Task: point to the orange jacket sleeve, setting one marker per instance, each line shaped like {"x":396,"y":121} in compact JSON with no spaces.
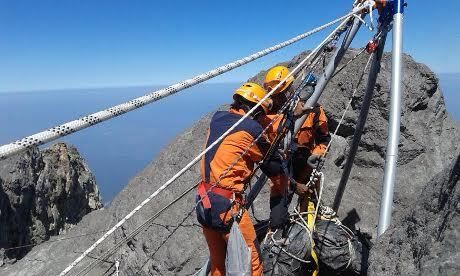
{"x":321,"y":129}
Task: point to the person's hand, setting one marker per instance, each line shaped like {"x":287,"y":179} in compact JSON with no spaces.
{"x":301,"y":189}
{"x":314,"y":160}
{"x":298,"y":111}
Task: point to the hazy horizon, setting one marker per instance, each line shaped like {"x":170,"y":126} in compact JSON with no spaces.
{"x":151,"y":87}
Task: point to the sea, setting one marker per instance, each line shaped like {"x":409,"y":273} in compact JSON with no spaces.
{"x":120,"y":148}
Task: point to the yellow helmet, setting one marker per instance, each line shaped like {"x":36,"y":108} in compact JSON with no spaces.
{"x":254,"y":93}
{"x":275,"y":76}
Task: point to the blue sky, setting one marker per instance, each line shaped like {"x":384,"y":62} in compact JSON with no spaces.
{"x":93,"y":43}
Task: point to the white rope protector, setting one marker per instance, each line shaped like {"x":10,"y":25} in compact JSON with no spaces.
{"x":197,"y":158}
{"x":104,"y":115}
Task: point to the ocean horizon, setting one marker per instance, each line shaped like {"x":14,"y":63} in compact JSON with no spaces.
{"x":118,"y":149}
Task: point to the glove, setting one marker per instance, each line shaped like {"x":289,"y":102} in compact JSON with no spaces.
{"x":273,"y":166}
{"x":314,"y":160}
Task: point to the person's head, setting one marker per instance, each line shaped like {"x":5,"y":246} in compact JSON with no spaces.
{"x":273,"y":78}
{"x":247,"y":96}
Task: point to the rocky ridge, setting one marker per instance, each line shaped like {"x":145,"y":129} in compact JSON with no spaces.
{"x":43,"y":193}
{"x":425,"y":238}
{"x":428,"y":145}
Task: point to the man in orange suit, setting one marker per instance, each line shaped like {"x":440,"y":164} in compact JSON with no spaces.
{"x":225,"y":176}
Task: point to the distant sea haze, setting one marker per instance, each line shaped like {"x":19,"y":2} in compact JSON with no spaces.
{"x":118,"y":149}
{"x":450,"y":85}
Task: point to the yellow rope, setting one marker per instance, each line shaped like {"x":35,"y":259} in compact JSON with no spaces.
{"x":311,"y":217}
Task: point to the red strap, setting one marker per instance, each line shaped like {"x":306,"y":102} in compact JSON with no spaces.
{"x":204,"y":196}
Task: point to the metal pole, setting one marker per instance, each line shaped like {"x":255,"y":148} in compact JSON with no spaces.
{"x":333,"y":63}
{"x":395,"y":119}
{"x":256,"y":188}
{"x":329,"y":71}
{"x":372,"y":79}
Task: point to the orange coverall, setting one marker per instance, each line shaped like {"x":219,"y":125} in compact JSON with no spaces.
{"x":312,"y":138}
{"x":216,"y":216}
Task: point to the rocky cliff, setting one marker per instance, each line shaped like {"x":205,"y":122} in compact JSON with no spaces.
{"x":428,"y":145}
{"x":425,"y":238}
{"x":42,"y":194}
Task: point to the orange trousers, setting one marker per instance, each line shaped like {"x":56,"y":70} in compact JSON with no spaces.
{"x":217,"y":244}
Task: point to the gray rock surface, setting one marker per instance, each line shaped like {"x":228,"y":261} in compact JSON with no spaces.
{"x":42,"y":194}
{"x":425,"y":239}
{"x":429,"y":136}
{"x":429,"y":143}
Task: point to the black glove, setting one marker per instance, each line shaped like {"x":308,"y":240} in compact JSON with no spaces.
{"x":273,"y":166}
{"x":314,"y":160}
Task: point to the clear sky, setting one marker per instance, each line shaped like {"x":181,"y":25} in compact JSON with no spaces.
{"x":51,"y":44}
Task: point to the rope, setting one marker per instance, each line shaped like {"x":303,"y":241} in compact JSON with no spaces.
{"x":135,"y":232}
{"x":166,"y":239}
{"x":104,"y":115}
{"x":275,"y":243}
{"x":197,"y":158}
{"x":350,"y":101}
{"x":53,"y":241}
{"x":319,"y":199}
{"x":349,"y":62}
{"x":316,"y":171}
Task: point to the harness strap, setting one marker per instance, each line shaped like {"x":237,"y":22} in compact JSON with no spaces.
{"x":204,"y":196}
{"x":204,"y":188}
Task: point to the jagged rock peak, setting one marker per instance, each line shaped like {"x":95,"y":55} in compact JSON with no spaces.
{"x":43,"y":193}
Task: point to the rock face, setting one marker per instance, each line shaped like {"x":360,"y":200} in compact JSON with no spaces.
{"x":425,"y":239}
{"x":42,"y":193}
{"x":429,"y":136}
{"x":429,"y":143}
